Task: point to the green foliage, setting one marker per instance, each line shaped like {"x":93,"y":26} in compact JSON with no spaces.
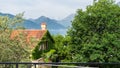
{"x":95,"y":33}
{"x":61,"y":53}
{"x":37,"y":52}
{"x":8,"y":23}
{"x":11,"y":50}
{"x":49,"y":56}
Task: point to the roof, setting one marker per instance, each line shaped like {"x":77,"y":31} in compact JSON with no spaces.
{"x":38,"y":34}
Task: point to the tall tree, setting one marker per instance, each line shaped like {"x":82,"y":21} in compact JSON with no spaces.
{"x":12,"y":50}
{"x":95,"y":33}
{"x":62,"y":49}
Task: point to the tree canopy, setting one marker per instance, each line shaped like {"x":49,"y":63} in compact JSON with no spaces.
{"x":95,"y":33}
{"x":12,"y":50}
{"x":60,"y":51}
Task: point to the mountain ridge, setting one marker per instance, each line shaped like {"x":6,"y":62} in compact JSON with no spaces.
{"x":118,"y":3}
{"x":54,"y":26}
{"x":67,"y":20}
{"x":51,"y":23}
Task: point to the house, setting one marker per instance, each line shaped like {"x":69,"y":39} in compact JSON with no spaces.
{"x":34,"y":37}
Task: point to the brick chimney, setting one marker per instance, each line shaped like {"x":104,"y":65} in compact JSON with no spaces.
{"x":43,"y":26}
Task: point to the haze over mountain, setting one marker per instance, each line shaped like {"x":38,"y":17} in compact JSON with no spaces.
{"x":118,"y":3}
{"x":54,"y":26}
{"x":51,"y":23}
{"x":6,"y":14}
{"x":67,"y":21}
{"x":27,"y":23}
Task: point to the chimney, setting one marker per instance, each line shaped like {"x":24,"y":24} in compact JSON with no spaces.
{"x":43,"y":26}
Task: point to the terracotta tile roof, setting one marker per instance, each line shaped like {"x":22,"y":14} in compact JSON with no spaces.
{"x":38,"y":34}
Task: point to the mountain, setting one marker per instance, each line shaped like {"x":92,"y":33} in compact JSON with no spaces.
{"x":6,"y":14}
{"x":67,"y":21}
{"x":54,"y":26}
{"x":27,"y":23}
{"x":30,"y":25}
{"x":118,"y":3}
{"x":51,"y":23}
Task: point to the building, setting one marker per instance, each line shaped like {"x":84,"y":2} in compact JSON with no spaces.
{"x":34,"y":37}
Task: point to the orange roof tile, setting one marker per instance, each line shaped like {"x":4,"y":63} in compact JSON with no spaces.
{"x":38,"y":34}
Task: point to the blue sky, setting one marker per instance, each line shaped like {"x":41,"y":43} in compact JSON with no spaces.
{"x":57,"y":9}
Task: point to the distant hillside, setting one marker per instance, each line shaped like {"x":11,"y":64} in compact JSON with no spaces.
{"x":27,"y":23}
{"x":67,"y":21}
{"x":30,"y":25}
{"x":54,"y":26}
{"x":118,"y":3}
{"x":6,"y":14}
{"x":51,"y":23}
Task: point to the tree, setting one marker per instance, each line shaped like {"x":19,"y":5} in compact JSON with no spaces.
{"x":12,"y":50}
{"x":60,"y":52}
{"x":95,"y":33}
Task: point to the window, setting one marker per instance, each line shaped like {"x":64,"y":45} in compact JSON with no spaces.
{"x":44,"y":46}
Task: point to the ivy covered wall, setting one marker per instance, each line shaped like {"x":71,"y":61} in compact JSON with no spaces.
{"x":46,"y":40}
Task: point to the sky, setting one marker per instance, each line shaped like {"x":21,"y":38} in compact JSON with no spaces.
{"x":56,"y":9}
